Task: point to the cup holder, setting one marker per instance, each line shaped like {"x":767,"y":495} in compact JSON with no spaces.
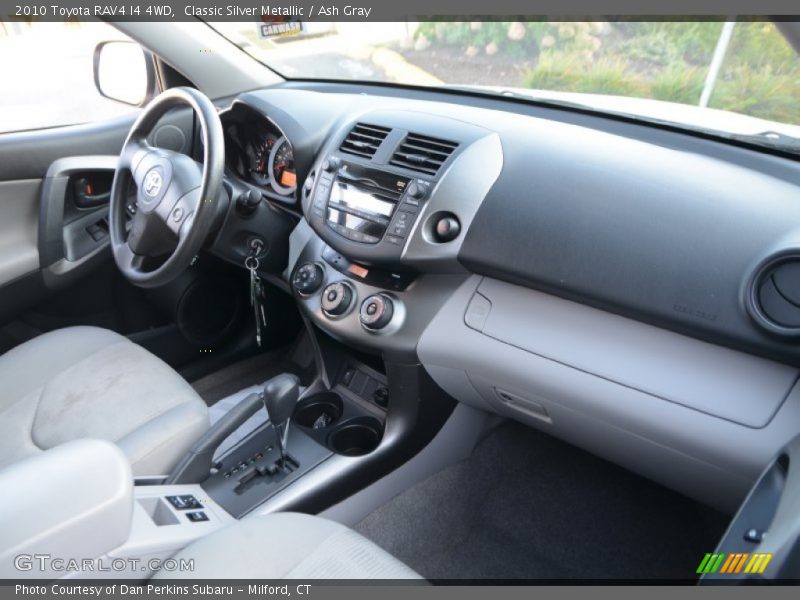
{"x":319,"y":411}
{"x":356,"y":437}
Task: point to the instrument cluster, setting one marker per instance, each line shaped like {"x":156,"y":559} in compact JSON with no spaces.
{"x":260,"y":154}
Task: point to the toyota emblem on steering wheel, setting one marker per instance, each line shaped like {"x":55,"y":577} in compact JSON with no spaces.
{"x":152,"y":183}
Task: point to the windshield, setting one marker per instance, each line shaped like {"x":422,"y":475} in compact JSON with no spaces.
{"x":741,"y":79}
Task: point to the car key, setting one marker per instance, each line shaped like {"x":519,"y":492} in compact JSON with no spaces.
{"x":256,"y":296}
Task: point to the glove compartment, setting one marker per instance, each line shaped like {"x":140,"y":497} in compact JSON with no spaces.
{"x":700,"y":418}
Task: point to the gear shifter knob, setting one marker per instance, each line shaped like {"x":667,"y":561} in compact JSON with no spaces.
{"x":280,"y":396}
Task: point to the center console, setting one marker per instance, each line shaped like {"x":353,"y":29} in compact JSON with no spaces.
{"x":345,"y":420}
{"x":387,"y":204}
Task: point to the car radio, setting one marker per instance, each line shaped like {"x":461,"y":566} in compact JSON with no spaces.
{"x":366,"y":205}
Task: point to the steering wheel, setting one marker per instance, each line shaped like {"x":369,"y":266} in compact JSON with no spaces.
{"x":177,"y":199}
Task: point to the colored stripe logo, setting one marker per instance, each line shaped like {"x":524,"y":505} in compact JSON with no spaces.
{"x":734,"y":562}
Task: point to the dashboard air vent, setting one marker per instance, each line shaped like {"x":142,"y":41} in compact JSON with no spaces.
{"x":775,"y":295}
{"x":422,"y":153}
{"x":363,"y":140}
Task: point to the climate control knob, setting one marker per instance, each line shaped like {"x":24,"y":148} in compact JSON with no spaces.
{"x":336,"y":298}
{"x":376,"y":311}
{"x":308,"y":278}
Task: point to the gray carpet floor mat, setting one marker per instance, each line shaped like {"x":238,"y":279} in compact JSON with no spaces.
{"x":527,"y":506}
{"x":245,"y":373}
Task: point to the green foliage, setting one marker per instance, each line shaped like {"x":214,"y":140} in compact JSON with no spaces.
{"x":677,"y":85}
{"x":663,"y":60}
{"x":766,"y":93}
{"x":563,"y":72}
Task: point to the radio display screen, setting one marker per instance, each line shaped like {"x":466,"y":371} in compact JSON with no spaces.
{"x":352,"y":197}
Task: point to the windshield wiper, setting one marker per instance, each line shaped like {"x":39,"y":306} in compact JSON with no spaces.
{"x":771,"y":139}
{"x":528,"y":97}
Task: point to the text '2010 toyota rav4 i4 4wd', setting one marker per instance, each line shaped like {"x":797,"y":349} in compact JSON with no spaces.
{"x":454,"y":300}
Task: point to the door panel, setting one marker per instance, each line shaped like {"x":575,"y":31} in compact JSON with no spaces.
{"x":19,"y":222}
{"x":25,"y":158}
{"x":53,"y":272}
{"x":28,"y":154}
{"x":73,"y":237}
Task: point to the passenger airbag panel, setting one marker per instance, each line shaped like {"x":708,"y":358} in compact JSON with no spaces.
{"x":712,"y":379}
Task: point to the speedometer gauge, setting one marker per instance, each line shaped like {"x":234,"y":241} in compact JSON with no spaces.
{"x":282,"y":175}
{"x":259,"y":152}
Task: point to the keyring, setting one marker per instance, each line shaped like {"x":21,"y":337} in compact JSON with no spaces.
{"x":251,"y":263}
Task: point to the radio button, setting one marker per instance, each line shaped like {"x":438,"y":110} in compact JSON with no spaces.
{"x":447,"y":229}
{"x":415,"y":190}
{"x":393,"y":239}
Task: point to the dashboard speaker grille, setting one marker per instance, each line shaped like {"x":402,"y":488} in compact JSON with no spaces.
{"x":422,"y":153}
{"x":363,"y":140}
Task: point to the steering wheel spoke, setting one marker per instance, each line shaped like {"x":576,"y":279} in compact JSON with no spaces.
{"x":177,"y":198}
{"x":177,"y":215}
{"x":133,"y":152}
{"x":125,"y":255}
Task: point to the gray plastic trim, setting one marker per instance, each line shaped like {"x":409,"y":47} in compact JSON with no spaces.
{"x":784,"y":531}
{"x":708,"y":457}
{"x":460,"y":192}
{"x":149,"y":540}
{"x":415,"y":306}
{"x":57,"y":269}
{"x":19,"y":218}
{"x":712,"y":379}
{"x":212,"y":63}
{"x":454,"y":442}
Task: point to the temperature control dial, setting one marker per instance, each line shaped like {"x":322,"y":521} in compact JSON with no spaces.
{"x":308,"y":278}
{"x":336,"y":298}
{"x":376,"y":312}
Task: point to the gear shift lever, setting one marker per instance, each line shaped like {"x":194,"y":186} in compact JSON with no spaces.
{"x":280,"y":397}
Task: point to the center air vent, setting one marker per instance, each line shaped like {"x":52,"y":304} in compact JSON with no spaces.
{"x":774,"y":299}
{"x":363,"y":140}
{"x":422,"y":153}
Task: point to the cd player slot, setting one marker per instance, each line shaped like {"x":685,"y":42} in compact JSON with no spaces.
{"x":370,"y":186}
{"x":359,"y":213}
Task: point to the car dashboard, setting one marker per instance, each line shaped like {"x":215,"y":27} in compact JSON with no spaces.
{"x":623,"y":287}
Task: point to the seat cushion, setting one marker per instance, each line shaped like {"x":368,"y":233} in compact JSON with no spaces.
{"x":289,"y":546}
{"x":86,"y":382}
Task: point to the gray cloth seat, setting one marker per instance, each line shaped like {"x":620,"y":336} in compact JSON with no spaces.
{"x":86,"y":382}
{"x":288,"y":546}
